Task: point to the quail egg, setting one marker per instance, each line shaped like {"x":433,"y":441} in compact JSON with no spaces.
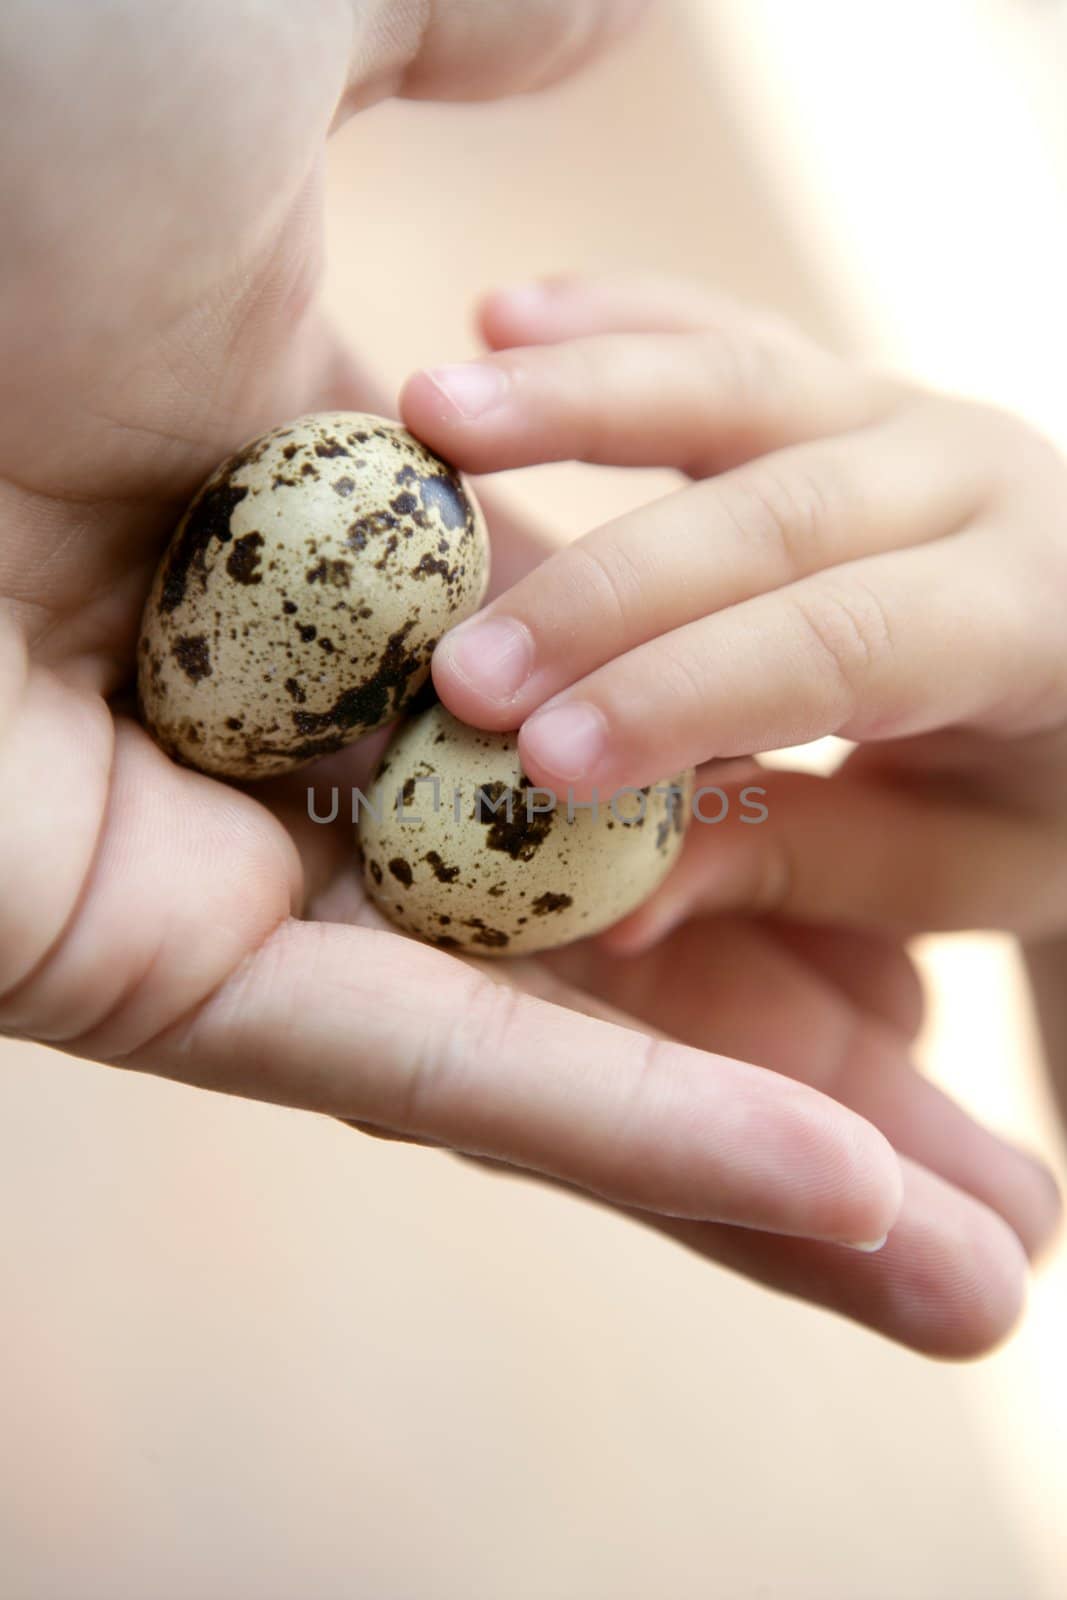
{"x":461,"y":849}
{"x":298,"y":603}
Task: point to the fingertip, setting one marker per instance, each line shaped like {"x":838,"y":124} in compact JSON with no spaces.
{"x":461,"y":393}
{"x":504,"y":316}
{"x":988,"y":1293}
{"x":469,"y":412}
{"x":950,"y":1281}
{"x":891,"y":1200}
{"x":462,"y":699}
{"x":481,"y":668}
{"x":422,"y":407}
{"x":870,"y":1186}
{"x":518,"y":313}
{"x":563,"y":746}
{"x":454,"y":694}
{"x":1046,"y":1209}
{"x":953,"y":1276}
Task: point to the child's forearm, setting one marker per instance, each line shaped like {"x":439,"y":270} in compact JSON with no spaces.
{"x":1047,"y":966}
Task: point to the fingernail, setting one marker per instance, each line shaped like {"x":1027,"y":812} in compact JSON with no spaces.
{"x":567,"y":740}
{"x":869,"y":1247}
{"x":469,"y":390}
{"x":495,"y":656}
{"x":526,"y":299}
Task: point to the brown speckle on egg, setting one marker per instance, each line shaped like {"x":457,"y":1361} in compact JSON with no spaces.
{"x":192,"y":656}
{"x":243,"y":560}
{"x":506,"y":876}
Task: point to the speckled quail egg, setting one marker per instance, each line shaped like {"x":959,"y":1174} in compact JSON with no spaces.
{"x":299,"y":600}
{"x":461,"y":849}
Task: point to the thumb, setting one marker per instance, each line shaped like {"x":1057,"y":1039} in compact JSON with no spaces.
{"x":492,"y":48}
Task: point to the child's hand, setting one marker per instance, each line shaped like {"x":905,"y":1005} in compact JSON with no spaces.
{"x":863,"y":558}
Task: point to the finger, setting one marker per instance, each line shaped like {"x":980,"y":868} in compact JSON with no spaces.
{"x":552,"y":309}
{"x":461,"y":53}
{"x":191,"y":980}
{"x":698,"y":402}
{"x":322,"y":1017}
{"x":519,"y":544}
{"x":815,"y":1034}
{"x":849,"y":651}
{"x":871,"y":969}
{"x":872,"y":854}
{"x":707,"y":548}
{"x":950,"y":1281}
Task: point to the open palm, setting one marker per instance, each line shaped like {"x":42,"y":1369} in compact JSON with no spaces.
{"x":160,"y":271}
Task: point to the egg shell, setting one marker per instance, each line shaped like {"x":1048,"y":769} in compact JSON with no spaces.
{"x":464,"y":875}
{"x":298,"y":603}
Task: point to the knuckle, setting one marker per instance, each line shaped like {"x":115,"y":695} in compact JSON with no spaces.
{"x":789,"y":508}
{"x":609,"y":583}
{"x":585,"y":385}
{"x":680,"y":677}
{"x":439,"y":1094}
{"x":738,"y":367}
{"x":850,"y":628}
{"x":635,"y":1117}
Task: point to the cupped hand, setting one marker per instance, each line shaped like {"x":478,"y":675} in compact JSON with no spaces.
{"x":160,"y":268}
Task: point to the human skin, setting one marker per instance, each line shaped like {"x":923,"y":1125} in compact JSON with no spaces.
{"x":161,"y":190}
{"x":856,"y":555}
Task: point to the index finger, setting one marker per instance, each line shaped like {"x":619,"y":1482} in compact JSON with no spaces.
{"x":698,"y":402}
{"x":358,"y":1024}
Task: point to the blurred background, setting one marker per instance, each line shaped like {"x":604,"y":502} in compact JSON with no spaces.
{"x":245,"y":1352}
